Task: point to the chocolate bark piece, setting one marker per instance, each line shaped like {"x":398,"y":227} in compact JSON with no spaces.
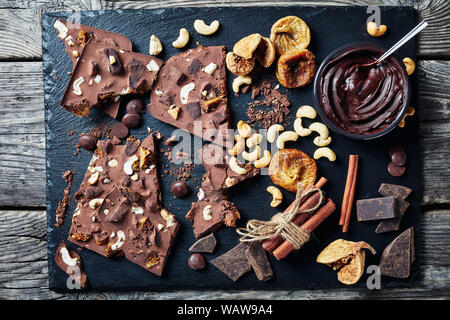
{"x":256,"y":256}
{"x":206,"y":244}
{"x":136,"y":75}
{"x":126,"y":217}
{"x":394,"y":223}
{"x":376,"y":209}
{"x":398,"y":255}
{"x":216,"y":164}
{"x":394,"y":190}
{"x":70,"y":262}
{"x":211,"y":211}
{"x":233,"y":263}
{"x":65,"y":201}
{"x":182,"y":82}
{"x":75,"y":37}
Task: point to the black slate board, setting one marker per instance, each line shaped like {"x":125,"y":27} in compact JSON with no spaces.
{"x":331,"y":27}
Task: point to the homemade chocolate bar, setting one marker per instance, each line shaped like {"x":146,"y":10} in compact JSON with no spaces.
{"x":70,"y":262}
{"x":119,"y":209}
{"x":191,"y":94}
{"x":376,"y":209}
{"x":233,"y":263}
{"x":394,"y":223}
{"x":394,"y":190}
{"x":206,"y":244}
{"x":398,"y":256}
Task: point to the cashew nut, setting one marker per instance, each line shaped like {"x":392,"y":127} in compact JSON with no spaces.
{"x":152,"y":66}
{"x":137,"y":210}
{"x":210,"y":68}
{"x":155,"y":46}
{"x":120,"y":240}
{"x":235,"y":167}
{"x":284,"y":137}
{"x":264,"y":161}
{"x":273,"y":131}
{"x":238,"y":146}
{"x":182,"y":39}
{"x":68,"y":260}
{"x":201,"y":27}
{"x":229,"y":182}
{"x":374,"y":30}
{"x":320,"y":128}
{"x":94,"y":203}
{"x":306,"y":112}
{"x":254,"y":140}
{"x":325,"y":152}
{"x":61,"y":28}
{"x":244,"y":129}
{"x":298,"y":128}
{"x":94,"y":178}
{"x":184,"y":92}
{"x":129,"y":164}
{"x":237,"y":82}
{"x":410,"y":65}
{"x":77,"y":86}
{"x":207,"y":213}
{"x":277,"y":196}
{"x":252,"y":156}
{"x":200,"y":194}
{"x":168,"y":217}
{"x":318,"y":141}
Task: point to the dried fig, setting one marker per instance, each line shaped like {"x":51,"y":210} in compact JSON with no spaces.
{"x":290,"y":166}
{"x":245,"y":47}
{"x":290,"y":33}
{"x":265,"y":53}
{"x":346,"y":256}
{"x":296,"y":69}
{"x":238,"y":65}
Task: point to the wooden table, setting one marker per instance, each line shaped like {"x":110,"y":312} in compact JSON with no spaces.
{"x":23,"y":249}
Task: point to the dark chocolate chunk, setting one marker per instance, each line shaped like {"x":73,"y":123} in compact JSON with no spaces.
{"x":395,"y":170}
{"x":106,"y":147}
{"x":394,"y":223}
{"x":131,"y":120}
{"x":131,"y":146}
{"x":88,"y":141}
{"x":256,"y":256}
{"x":175,"y":75}
{"x":95,"y":69}
{"x":397,"y":256}
{"x":167,"y":98}
{"x":376,"y":209}
{"x":179,"y":189}
{"x":136,"y":69}
{"x":155,"y":239}
{"x":194,"y":66}
{"x":119,"y":211}
{"x":135,"y":106}
{"x":233,"y":263}
{"x":394,"y":190}
{"x":398,"y":155}
{"x":206,"y":244}
{"x":220,"y":117}
{"x":119,"y":130}
{"x":115,"y":66}
{"x":196,"y":261}
{"x":93,"y":192}
{"x":194,"y":109}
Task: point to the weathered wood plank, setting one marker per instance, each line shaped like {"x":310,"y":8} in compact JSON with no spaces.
{"x":22,"y":133}
{"x":24,"y":273}
{"x":21,"y":30}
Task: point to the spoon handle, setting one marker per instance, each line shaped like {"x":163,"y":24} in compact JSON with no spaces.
{"x":403,"y":40}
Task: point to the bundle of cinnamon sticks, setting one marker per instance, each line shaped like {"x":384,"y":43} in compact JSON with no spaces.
{"x":308,"y":222}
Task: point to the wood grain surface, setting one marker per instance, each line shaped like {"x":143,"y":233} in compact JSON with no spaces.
{"x":23,"y":264}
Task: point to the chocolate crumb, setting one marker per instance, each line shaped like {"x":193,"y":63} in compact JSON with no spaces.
{"x":64,"y":202}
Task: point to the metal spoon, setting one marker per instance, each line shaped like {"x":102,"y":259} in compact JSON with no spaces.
{"x":400,"y":43}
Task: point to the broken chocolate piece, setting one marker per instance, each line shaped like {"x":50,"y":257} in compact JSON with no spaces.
{"x":394,"y":223}
{"x":206,"y":244}
{"x":398,"y":255}
{"x":233,"y":263}
{"x":65,"y":201}
{"x":175,"y":75}
{"x":194,"y":66}
{"x":131,"y":146}
{"x":394,"y":190}
{"x":70,"y":262}
{"x":194,"y":109}
{"x":256,"y":256}
{"x":376,"y":209}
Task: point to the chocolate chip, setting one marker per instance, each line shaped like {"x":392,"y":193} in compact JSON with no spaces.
{"x":179,"y":189}
{"x":194,"y":109}
{"x":120,"y":210}
{"x":167,"y":98}
{"x":176,"y":75}
{"x":196,"y":261}
{"x":115,"y":66}
{"x":194,"y":66}
{"x":106,"y":147}
{"x":119,"y":130}
{"x":396,"y":170}
{"x":131,"y":120}
{"x":398,"y":155}
{"x":95,"y":69}
{"x":88,"y":141}
{"x":131,"y":146}
{"x":93,"y":192}
{"x":220,"y":117}
{"x":136,"y":69}
{"x":135,"y":106}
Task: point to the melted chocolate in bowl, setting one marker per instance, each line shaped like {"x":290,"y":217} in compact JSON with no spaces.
{"x":362,"y":100}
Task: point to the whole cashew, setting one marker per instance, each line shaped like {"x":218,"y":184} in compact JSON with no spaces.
{"x":376,"y":31}
{"x":239,"y":81}
{"x":252,"y":156}
{"x":306,"y":112}
{"x":318,"y":141}
{"x":201,"y":27}
{"x":182,"y":39}
{"x":244,"y":129}
{"x":320,"y":128}
{"x":325,"y":152}
{"x":238,"y":146}
{"x":273,"y":131}
{"x":298,"y":128}
{"x":410,"y":65}
{"x":286,"y":136}
{"x":264,"y":161}
{"x":277,"y":196}
{"x":254,"y":140}
{"x":236,"y":168}
{"x":155,"y":46}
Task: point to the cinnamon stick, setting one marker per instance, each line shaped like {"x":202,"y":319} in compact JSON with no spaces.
{"x":348,"y":184}
{"x":351,"y":195}
{"x":309,"y":226}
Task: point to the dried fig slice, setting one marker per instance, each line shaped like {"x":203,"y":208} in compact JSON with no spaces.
{"x":247,"y":46}
{"x":238,"y":65}
{"x":290,"y":166}
{"x":265,"y":53}
{"x":352,"y":272}
{"x":290,"y":33}
{"x":296,"y":69}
